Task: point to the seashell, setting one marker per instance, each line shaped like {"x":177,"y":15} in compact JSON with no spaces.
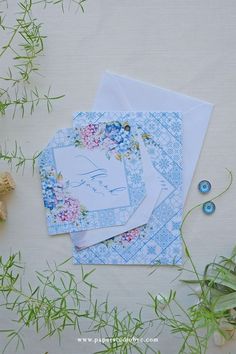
{"x":3,"y":211}
{"x":6,"y":182}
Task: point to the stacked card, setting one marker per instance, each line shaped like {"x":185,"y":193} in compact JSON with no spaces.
{"x":114,"y":181}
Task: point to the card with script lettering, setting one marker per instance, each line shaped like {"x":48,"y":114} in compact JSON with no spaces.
{"x":91,"y":177}
{"x":84,"y":239}
{"x":159,"y":241}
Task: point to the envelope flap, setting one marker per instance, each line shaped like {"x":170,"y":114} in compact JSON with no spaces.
{"x":129,"y":94}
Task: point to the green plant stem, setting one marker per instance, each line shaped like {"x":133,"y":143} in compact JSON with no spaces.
{"x":202,"y":315}
{"x":8,"y":44}
{"x":190,"y":212}
{"x":17,"y":157}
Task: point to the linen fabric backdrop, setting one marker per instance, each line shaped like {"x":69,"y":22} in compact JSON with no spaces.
{"x":186,"y":45}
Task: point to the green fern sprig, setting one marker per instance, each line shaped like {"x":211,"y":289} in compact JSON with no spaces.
{"x":56,"y":303}
{"x":199,"y":322}
{"x":17,"y":158}
{"x":25,"y":43}
{"x":62,"y":3}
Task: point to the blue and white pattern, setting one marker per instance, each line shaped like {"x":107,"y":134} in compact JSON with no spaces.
{"x":159,"y":241}
{"x":109,"y":204}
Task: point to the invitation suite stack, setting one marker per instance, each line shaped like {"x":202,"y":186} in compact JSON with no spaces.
{"x":117,"y":180}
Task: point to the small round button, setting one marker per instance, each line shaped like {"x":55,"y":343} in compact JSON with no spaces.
{"x":204,"y":187}
{"x":209,"y":208}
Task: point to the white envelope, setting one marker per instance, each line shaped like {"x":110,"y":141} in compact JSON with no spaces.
{"x":120,"y":93}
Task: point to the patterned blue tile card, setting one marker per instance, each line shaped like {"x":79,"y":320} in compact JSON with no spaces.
{"x":159,"y":241}
{"x":87,"y":177}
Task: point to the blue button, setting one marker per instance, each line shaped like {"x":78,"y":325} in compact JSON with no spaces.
{"x":204,"y":187}
{"x":209,"y":208}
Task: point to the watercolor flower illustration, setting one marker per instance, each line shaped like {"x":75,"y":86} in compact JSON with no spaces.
{"x":114,"y":138}
{"x":62,"y":207}
{"x":124,"y":239}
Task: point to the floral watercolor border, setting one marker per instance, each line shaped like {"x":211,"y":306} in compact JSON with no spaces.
{"x":79,"y":218}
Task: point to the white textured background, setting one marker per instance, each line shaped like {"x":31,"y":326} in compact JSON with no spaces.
{"x":185,"y":45}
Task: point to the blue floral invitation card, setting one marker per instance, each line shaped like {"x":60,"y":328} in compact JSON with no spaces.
{"x":88,"y":177}
{"x":159,"y":241}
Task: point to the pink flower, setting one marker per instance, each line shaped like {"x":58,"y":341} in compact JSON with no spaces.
{"x":130,"y":235}
{"x":70,"y":210}
{"x":90,"y":136}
